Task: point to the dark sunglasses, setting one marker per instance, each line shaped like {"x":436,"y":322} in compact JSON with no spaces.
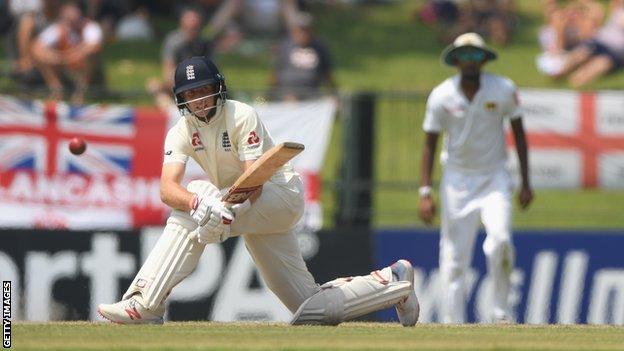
{"x":470,"y":56}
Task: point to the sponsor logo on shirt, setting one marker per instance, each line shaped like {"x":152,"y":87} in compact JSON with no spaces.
{"x":196,"y":142}
{"x":225,"y":141}
{"x":490,"y":105}
{"x":253,"y":138}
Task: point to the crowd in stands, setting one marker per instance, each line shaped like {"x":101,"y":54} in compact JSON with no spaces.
{"x":579,"y":44}
{"x":580,"y":40}
{"x":303,"y":64}
{"x":58,"y":44}
{"x":495,"y":20}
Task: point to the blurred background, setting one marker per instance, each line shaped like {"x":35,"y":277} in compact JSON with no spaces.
{"x":349,"y":79}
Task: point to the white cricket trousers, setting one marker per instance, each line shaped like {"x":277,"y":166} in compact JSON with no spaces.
{"x":267,"y":230}
{"x":467,"y":199}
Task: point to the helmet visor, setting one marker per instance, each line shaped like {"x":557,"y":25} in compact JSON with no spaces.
{"x":200,"y":101}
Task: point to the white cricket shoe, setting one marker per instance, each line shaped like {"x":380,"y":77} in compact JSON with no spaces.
{"x":408,"y":309}
{"x":131,"y":311}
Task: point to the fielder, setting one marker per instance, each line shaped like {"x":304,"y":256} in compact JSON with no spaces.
{"x":470,"y":108}
{"x":225,"y":137}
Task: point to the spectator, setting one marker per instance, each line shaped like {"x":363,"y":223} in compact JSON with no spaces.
{"x":444,"y":17}
{"x":209,"y":7}
{"x":107,"y":13}
{"x":10,"y":13}
{"x":184,"y":42}
{"x":303,"y":63}
{"x":602,"y":54}
{"x":69,"y":48}
{"x":236,"y":20}
{"x":494,"y":19}
{"x":29,"y":25}
{"x":566,"y":27}
{"x":135,"y":26}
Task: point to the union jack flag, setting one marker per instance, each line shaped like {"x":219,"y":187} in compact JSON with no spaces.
{"x":35,"y":136}
{"x":109,"y":186}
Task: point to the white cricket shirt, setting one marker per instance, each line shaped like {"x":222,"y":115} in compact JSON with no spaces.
{"x":221,"y":146}
{"x":474,"y":138}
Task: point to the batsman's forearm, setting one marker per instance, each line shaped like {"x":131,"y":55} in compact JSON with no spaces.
{"x":175,"y":196}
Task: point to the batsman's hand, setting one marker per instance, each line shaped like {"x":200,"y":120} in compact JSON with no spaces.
{"x":207,"y":208}
{"x":426,"y":209}
{"x":525,"y":196}
{"x":210,"y":234}
{"x":217,"y":228}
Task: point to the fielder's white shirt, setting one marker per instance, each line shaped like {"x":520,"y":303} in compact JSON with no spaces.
{"x":474,"y":138}
{"x":220,"y":147}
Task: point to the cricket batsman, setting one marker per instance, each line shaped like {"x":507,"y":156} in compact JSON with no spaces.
{"x":225,"y":137}
{"x":471,"y":109}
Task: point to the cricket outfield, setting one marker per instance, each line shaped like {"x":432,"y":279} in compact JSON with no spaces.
{"x":347,"y":336}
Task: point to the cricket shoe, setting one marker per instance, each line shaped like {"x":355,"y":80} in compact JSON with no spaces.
{"x":131,"y":311}
{"x":407,"y":309}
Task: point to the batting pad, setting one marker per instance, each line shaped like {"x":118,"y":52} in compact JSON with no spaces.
{"x":174,"y":256}
{"x":344,"y":299}
{"x":172,"y":259}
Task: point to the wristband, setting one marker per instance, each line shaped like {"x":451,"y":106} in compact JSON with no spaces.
{"x":425,"y":191}
{"x":194,"y":202}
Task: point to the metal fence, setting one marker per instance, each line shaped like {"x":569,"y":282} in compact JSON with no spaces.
{"x":393,"y":148}
{"x":397,"y":140}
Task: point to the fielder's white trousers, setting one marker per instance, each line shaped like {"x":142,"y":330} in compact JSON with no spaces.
{"x":468,"y":199}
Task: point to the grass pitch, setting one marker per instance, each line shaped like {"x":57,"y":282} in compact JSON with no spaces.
{"x":348,"y":336}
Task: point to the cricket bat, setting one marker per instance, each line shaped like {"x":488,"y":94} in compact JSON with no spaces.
{"x":261,"y":171}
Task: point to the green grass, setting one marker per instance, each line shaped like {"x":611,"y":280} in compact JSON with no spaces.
{"x":380,"y":48}
{"x":348,"y":336}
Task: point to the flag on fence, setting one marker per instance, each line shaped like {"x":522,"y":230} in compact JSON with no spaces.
{"x":43,"y":185}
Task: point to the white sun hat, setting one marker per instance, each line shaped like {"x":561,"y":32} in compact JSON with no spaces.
{"x":466,"y":40}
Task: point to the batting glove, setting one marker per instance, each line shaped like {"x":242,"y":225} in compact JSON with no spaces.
{"x":216,"y":230}
{"x":205,"y":209}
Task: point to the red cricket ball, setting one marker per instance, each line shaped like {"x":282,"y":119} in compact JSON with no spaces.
{"x":77,"y":146}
